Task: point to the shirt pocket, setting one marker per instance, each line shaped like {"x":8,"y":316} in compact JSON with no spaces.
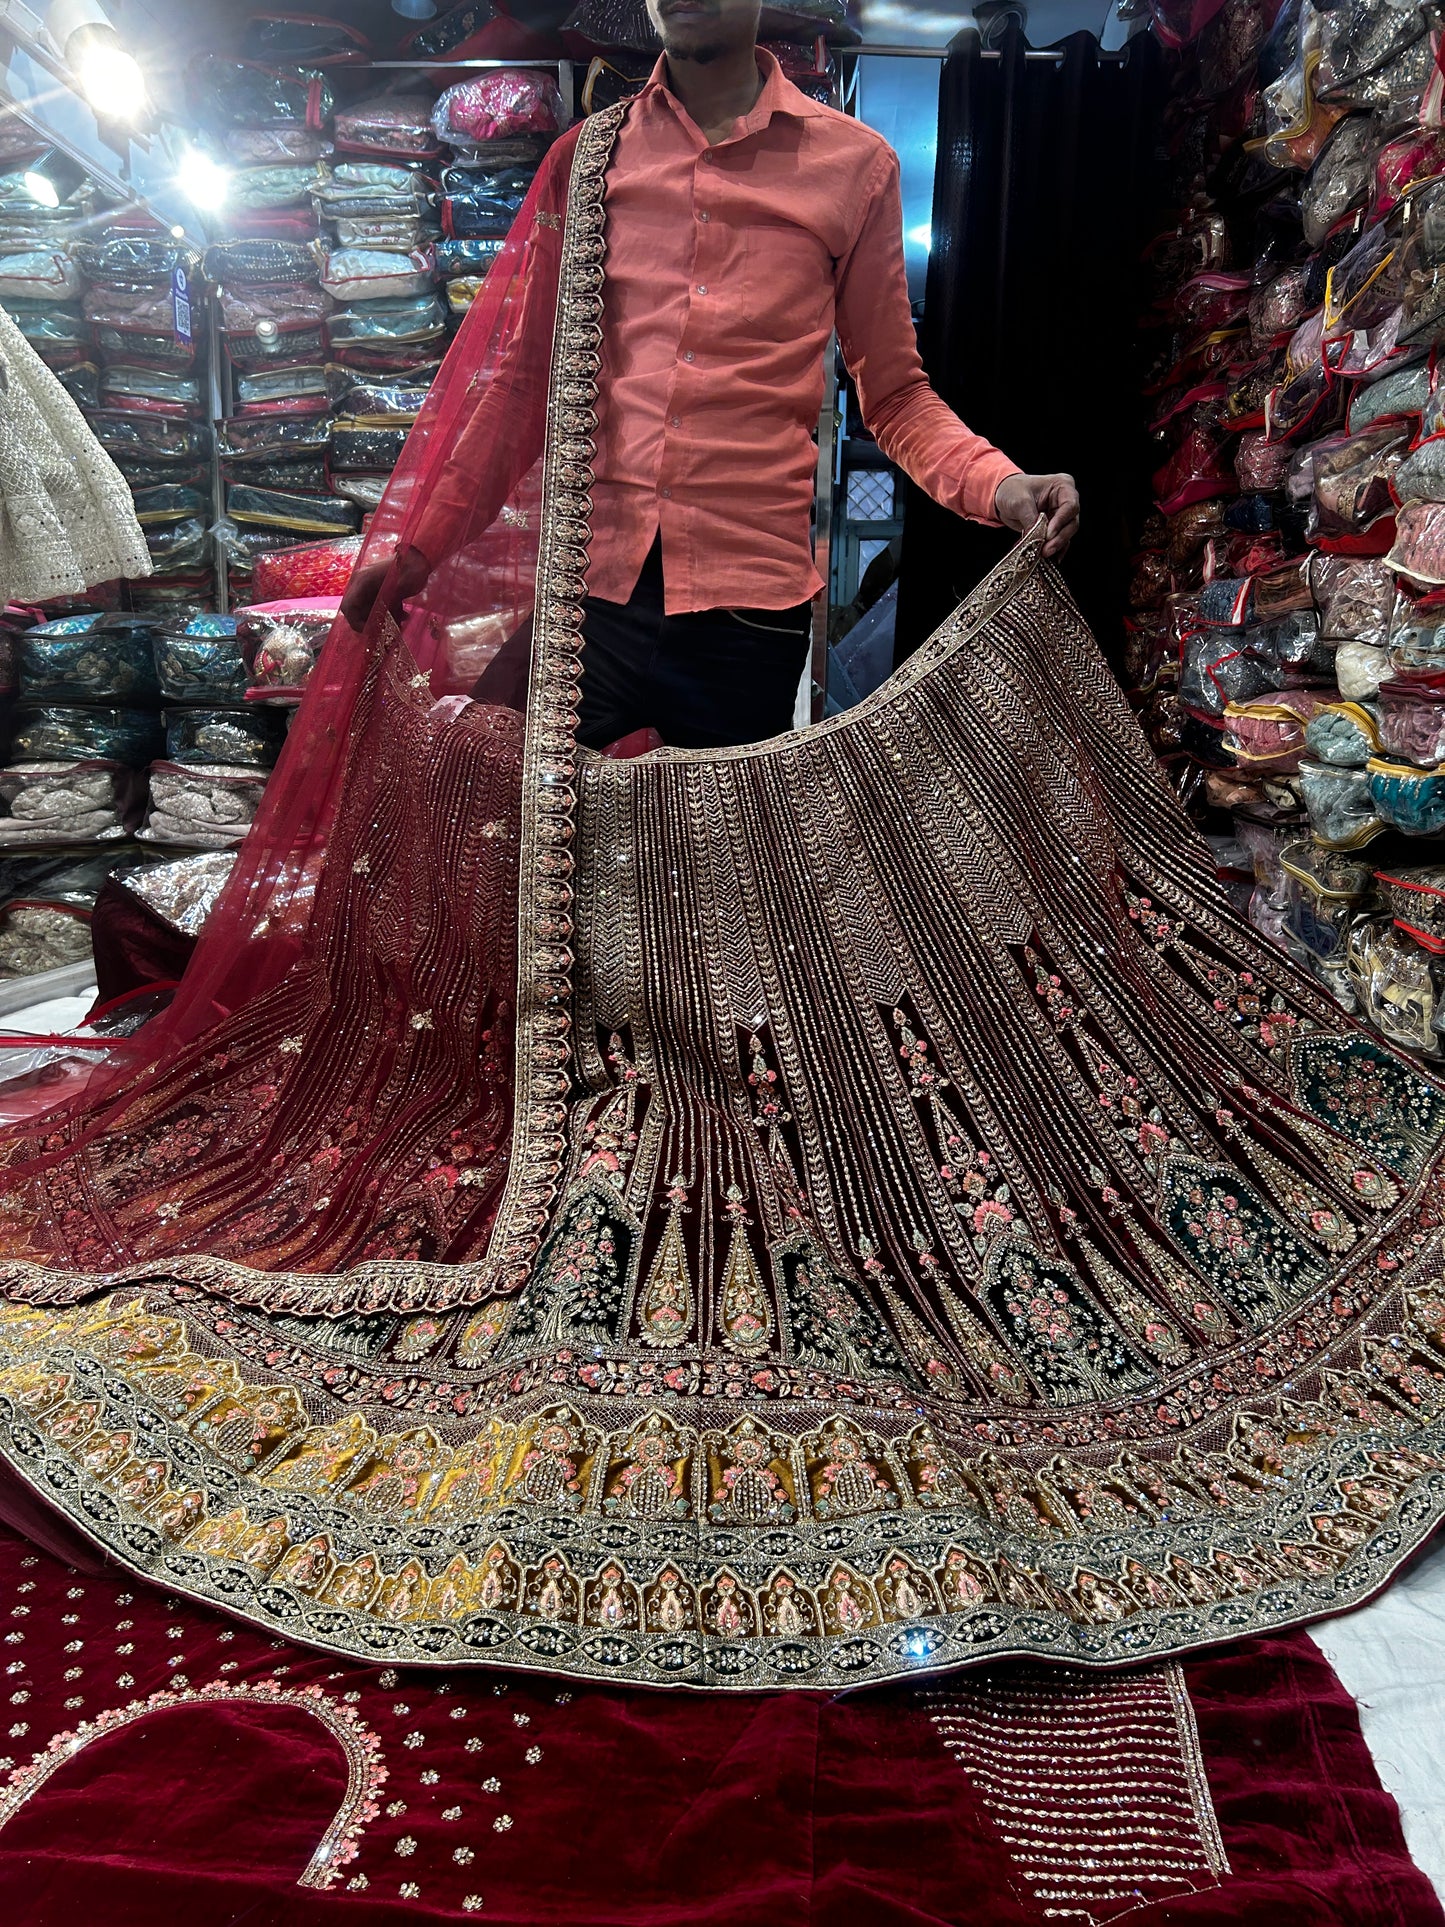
{"x":787,"y":281}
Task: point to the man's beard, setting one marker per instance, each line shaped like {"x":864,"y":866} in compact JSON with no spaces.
{"x":702,"y":55}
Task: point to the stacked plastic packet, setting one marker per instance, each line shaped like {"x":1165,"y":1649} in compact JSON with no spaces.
{"x":1287,"y":627}
{"x":496,"y":126}
{"x":45,"y":909}
{"x":387,"y":330}
{"x":85,"y":726}
{"x":148,"y":320}
{"x":40,"y":284}
{"x":207,"y":783}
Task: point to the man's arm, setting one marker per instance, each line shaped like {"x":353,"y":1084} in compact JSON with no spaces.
{"x":911,"y":424}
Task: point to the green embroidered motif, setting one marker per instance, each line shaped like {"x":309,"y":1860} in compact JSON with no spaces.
{"x":576,"y":1292}
{"x":1255,"y":1263}
{"x":1369,"y":1095}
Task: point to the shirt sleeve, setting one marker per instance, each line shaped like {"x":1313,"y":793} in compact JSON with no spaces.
{"x":910,"y":423}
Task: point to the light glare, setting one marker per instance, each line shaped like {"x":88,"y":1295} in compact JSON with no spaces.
{"x":111,"y":80}
{"x":41,"y":188}
{"x":920,"y":236}
{"x":203,"y":181}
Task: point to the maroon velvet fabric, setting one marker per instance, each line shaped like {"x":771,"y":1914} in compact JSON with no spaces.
{"x":549,"y":1803}
{"x":133,"y":946}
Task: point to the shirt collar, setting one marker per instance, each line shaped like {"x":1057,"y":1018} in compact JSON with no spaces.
{"x":779,"y":96}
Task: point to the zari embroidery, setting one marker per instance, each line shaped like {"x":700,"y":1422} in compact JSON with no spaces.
{"x":366,"y":1771}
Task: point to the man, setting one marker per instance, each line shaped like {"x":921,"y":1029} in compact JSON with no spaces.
{"x":745,"y":222}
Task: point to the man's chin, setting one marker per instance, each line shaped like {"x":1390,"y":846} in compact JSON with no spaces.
{"x":688,"y":40}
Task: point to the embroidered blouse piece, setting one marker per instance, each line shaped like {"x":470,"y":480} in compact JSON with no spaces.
{"x":786,"y":1217}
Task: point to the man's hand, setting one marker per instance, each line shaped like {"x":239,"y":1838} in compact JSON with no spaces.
{"x":404,"y":575}
{"x":1022,"y":499}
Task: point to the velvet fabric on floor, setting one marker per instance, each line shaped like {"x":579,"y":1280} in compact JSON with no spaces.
{"x":533,"y":1803}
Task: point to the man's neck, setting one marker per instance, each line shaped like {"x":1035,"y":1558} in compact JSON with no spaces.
{"x":716,"y":93}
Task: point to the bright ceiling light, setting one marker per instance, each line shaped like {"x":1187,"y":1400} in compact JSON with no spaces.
{"x":108,"y":76}
{"x":205,"y":183}
{"x":53,"y":177}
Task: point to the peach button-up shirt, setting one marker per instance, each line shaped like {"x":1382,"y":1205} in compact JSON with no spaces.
{"x":728,"y":267}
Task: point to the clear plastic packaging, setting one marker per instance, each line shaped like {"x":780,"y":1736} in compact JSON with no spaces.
{"x":1402,"y":394}
{"x":236,"y":264}
{"x":1412,"y":719}
{"x":498,"y":105}
{"x":42,"y":936}
{"x":418,"y":318}
{"x":202,"y":806}
{"x":1415,"y":897}
{"x":1344,"y":733}
{"x":1408,"y":799}
{"x":1325,"y":890}
{"x":38,"y":274}
{"x":282,"y":384}
{"x":177,"y":390}
{"x":205,"y":666}
{"x":95,"y":658}
{"x":242,"y":93}
{"x":59,"y":802}
{"x":388,"y":124}
{"x":127,"y":261}
{"x":369,"y":274}
{"x":359,"y":446}
{"x":1360,"y":668}
{"x":1340,"y":179}
{"x":281,"y":644}
{"x":1417,"y":639}
{"x":240,"y":738}
{"x":273,"y":508}
{"x":1351,"y":480}
{"x":1419,"y":549}
{"x":1401,"y":985}
{"x":1421,"y":475}
{"x":312,"y":569}
{"x":1268,"y":733}
{"x":1341,"y":808}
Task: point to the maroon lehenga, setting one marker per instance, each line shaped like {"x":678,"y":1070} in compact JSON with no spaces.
{"x":851,"y":1206}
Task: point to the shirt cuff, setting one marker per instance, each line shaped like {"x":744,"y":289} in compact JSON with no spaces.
{"x":981,"y":485}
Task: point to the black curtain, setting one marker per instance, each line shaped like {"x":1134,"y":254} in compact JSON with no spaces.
{"x":1048,"y":186}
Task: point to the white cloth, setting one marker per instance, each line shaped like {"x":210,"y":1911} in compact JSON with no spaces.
{"x":66,"y":517}
{"x":1391,"y":1656}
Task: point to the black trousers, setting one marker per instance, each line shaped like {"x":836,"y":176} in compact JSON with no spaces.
{"x":708,"y":680}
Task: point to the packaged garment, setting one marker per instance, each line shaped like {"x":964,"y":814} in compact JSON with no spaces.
{"x":313,"y":569}
{"x":1340,"y":179}
{"x":1198,"y":467}
{"x":268,"y":146}
{"x":1401,"y":985}
{"x":63,"y":802}
{"x":461,"y":291}
{"x":361,"y":486}
{"x":1325,"y":890}
{"x":207,"y":806}
{"x":392,"y":233}
{"x":308,"y":477}
{"x":268,"y":438}
{"x":1389,"y":88}
{"x":1351,"y":478}
{"x":273,"y":508}
{"x":1417,"y":639}
{"x":1407,"y":798}
{"x":497,"y":105}
{"x":281,"y":642}
{"x":94,"y":658}
{"x":1418,"y":553}
{"x":38,"y":274}
{"x":201,"y":663}
{"x":1355,"y":596}
{"x":1415,"y":897}
{"x":1412,"y":719}
{"x":388,"y":124}
{"x":1259,"y":463}
{"x":1277,"y":308}
{"x":417,"y":318}
{"x":1399,"y":395}
{"x":134,"y":263}
{"x":234,"y":265}
{"x":42,"y":936}
{"x":1404,"y":165}
{"x":161,"y":385}
{"x":176,"y":545}
{"x":470,"y":257}
{"x":382,"y":403}
{"x":275,"y":342}
{"x":168,"y":501}
{"x":1269,"y":732}
{"x":1265,"y":841}
{"x":48,"y":326}
{"x":369,"y":274}
{"x":1344,"y":733}
{"x":286,"y":383}
{"x":1341,"y":807}
{"x":123,"y":433}
{"x":288,"y":184}
{"x":313,"y":40}
{"x":123,"y":344}
{"x":242,"y":738}
{"x":1420,"y":476}
{"x":1221,"y":667}
{"x":244,"y":93}
{"x":366,"y":447}
{"x":482,"y":201}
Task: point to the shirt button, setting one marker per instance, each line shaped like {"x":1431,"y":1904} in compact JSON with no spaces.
{"x":701,"y":289}
{"x":687,"y":354}
{"x":675,"y":422}
{"x":667,"y":494}
{"x":704,"y":216}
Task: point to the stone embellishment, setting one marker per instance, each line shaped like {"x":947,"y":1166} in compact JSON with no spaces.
{"x":366,"y":1771}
